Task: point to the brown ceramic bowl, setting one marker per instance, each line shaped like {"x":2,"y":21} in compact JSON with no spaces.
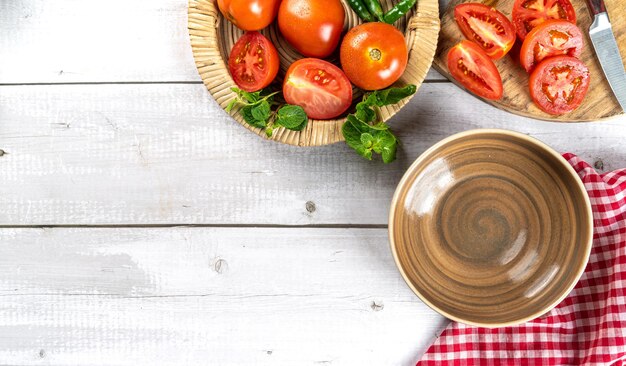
{"x":491,"y":228}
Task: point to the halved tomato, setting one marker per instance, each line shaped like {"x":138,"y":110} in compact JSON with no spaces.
{"x":551,"y":38}
{"x":471,"y":67}
{"x":486,"y":26}
{"x":319,"y":87}
{"x":559,"y":84}
{"x":527,"y":14}
{"x":253,"y":62}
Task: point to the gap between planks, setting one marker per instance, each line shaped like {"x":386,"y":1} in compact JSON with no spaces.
{"x":180,"y":225}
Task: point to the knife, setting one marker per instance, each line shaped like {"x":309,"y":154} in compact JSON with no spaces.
{"x":605,"y":45}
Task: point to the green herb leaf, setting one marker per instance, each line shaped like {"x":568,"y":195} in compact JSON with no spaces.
{"x":248,"y":116}
{"x":247,"y":96}
{"x":364,"y":112}
{"x":261,"y":111}
{"x":390,"y":96}
{"x":389,"y":147}
{"x":231,"y":105}
{"x":359,"y":125}
{"x":269,"y":97}
{"x":353,"y":138}
{"x":367,"y":140}
{"x":380,"y":126}
{"x":291,"y":117}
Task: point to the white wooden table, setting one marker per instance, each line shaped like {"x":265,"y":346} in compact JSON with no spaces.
{"x":141,"y":225}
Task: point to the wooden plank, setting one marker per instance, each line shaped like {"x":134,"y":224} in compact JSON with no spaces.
{"x":128,"y":41}
{"x":163,"y":154}
{"x":207,"y":296}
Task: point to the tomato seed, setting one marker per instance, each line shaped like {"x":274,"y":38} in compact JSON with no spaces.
{"x":473,"y":75}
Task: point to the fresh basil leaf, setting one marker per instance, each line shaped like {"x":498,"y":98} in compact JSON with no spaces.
{"x":389,"y":145}
{"x":269,"y":97}
{"x":353,"y":138}
{"x":261,"y":111}
{"x":364,"y":112}
{"x":231,"y":104}
{"x":367,"y":140}
{"x":247,"y":96}
{"x":291,"y":117}
{"x":394,"y":95}
{"x":248,"y":116}
{"x":385,"y":143}
{"x":359,"y":125}
{"x":269,"y":130}
{"x":380,"y":126}
{"x":371,"y":99}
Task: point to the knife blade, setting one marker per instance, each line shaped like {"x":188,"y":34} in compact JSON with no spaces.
{"x":607,"y":51}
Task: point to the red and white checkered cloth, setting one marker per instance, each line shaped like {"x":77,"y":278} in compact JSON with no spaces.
{"x":588,"y":327}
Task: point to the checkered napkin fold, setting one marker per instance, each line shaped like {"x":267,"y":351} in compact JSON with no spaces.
{"x":588,"y":327}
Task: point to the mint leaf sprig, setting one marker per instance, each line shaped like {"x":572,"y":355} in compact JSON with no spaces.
{"x":363,"y":131}
{"x":257,"y":111}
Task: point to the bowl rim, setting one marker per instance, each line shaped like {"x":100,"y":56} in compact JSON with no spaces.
{"x":588,"y":241}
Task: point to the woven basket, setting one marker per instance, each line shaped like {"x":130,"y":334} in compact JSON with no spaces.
{"x":212,"y":38}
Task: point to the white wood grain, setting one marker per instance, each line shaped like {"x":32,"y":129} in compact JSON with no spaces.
{"x":204,"y":296}
{"x":93,"y":41}
{"x":162,"y":154}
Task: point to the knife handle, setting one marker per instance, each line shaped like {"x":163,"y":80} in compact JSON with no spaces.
{"x":596,"y":7}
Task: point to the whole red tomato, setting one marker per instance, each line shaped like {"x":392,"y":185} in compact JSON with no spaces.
{"x":249,"y":15}
{"x":313,"y":27}
{"x":373,"y":55}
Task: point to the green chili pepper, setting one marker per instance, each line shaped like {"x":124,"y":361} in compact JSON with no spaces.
{"x":360,"y":10}
{"x":398,"y":11}
{"x":374,"y":8}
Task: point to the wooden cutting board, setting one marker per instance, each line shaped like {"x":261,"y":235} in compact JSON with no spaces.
{"x":600,"y":103}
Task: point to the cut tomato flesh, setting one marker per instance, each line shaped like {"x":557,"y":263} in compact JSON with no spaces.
{"x":467,"y":66}
{"x":308,"y":91}
{"x":528,"y":14}
{"x":562,"y":84}
{"x":253,"y":62}
{"x":559,"y":84}
{"x":471,"y":67}
{"x":552,"y":38}
{"x":486,"y":26}
{"x":319,"y":87}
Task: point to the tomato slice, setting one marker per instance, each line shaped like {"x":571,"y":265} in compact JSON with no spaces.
{"x":319,"y":87}
{"x":471,"y":67}
{"x":253,"y":62}
{"x":527,"y":14}
{"x":551,"y":38}
{"x":559,"y":84}
{"x":486,"y":26}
